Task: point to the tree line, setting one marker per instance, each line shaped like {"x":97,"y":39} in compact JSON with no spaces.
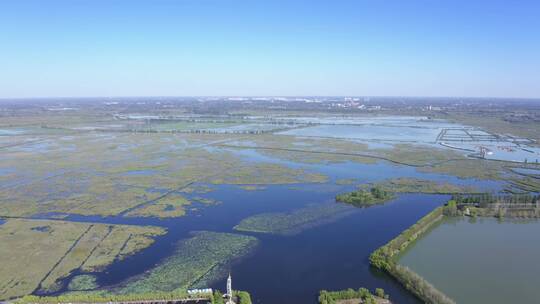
{"x":384,"y":258}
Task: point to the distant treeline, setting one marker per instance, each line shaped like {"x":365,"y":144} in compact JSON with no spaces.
{"x":384,"y":259}
{"x":331,"y":297}
{"x":487,"y":200}
{"x":516,"y":205}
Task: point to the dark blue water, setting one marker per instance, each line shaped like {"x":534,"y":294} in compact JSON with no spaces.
{"x":287,"y":269}
{"x":292,"y":269}
{"x":334,"y":256}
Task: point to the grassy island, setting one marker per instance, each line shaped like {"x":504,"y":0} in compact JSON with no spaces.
{"x":365,"y":197}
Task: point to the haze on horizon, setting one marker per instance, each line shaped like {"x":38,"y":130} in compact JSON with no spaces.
{"x":269,"y":48}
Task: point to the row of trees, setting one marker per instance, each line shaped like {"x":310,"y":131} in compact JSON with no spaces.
{"x":331,"y":297}
{"x":487,"y":199}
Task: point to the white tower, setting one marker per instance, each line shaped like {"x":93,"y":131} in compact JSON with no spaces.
{"x":229,"y":293}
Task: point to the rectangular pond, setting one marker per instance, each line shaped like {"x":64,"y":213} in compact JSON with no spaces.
{"x":482,"y":260}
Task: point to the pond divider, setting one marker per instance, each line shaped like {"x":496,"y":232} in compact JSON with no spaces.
{"x":384,"y":258}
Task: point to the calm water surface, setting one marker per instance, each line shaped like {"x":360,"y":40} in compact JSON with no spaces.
{"x":292,"y":269}
{"x":481,"y":260}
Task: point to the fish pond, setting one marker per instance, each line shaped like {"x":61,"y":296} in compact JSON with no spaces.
{"x":482,"y":260}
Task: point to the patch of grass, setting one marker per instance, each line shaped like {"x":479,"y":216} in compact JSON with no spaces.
{"x":38,"y":253}
{"x":289,"y":223}
{"x":527,"y":184}
{"x":469,"y":168}
{"x":414,"y":185}
{"x":122,"y":241}
{"x":28,"y":254}
{"x":172,"y":205}
{"x":83,"y":282}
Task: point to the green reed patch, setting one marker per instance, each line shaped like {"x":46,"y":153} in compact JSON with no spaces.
{"x":193,"y":261}
{"x":289,"y":223}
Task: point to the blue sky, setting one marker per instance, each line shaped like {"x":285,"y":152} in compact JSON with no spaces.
{"x":228,"y":47}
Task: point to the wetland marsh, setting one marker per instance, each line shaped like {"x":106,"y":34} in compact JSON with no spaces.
{"x":125,"y":211}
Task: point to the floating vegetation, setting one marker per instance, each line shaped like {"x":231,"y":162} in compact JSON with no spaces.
{"x":262,"y":173}
{"x":83,"y":282}
{"x":290,"y":223}
{"x":346,"y":181}
{"x":194,"y":260}
{"x":206,"y":201}
{"x":199,"y":189}
{"x":46,"y":255}
{"x":251,"y":187}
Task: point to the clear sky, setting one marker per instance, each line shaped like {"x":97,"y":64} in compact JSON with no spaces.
{"x":269,"y":47}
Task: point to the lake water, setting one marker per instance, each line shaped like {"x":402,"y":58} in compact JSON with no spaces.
{"x":292,"y":269}
{"x":480,"y":260}
{"x":288,"y":269}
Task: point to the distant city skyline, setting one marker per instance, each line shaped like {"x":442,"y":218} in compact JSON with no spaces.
{"x":269,"y":48}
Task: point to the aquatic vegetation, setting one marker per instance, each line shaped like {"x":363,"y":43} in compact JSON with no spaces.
{"x":104,"y":297}
{"x":251,"y":187}
{"x":48,"y":250}
{"x":83,"y":282}
{"x":365,"y":197}
{"x":288,"y":223}
{"x":419,"y":155}
{"x":468,"y":168}
{"x":527,"y":184}
{"x":121,"y":242}
{"x":191,"y":262}
{"x":28,"y":255}
{"x":262,"y":173}
{"x":172,"y":205}
{"x":346,"y":181}
{"x":414,"y":185}
{"x":113,"y":174}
